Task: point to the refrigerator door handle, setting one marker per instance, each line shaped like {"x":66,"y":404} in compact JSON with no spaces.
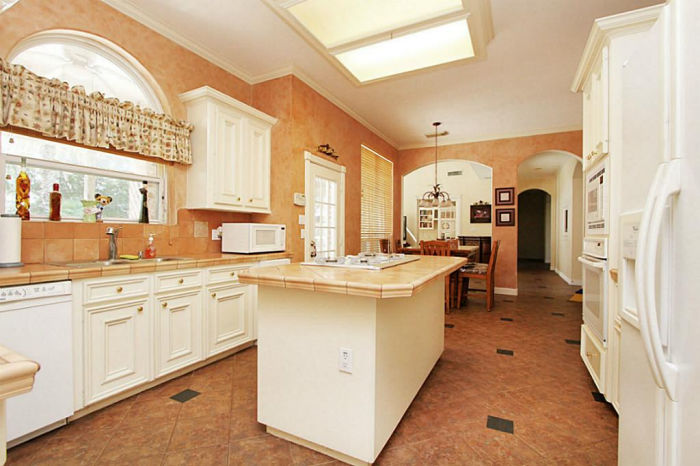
{"x":666,"y":184}
{"x":592,"y":263}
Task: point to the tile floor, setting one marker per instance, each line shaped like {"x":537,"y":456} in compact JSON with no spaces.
{"x":541,"y":391}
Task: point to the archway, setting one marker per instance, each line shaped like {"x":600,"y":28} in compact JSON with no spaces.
{"x":558,"y":174}
{"x":467,"y":182}
{"x":534,"y":229}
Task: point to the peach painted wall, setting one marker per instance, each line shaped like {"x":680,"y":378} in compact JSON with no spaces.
{"x":503,"y":156}
{"x":308,"y":119}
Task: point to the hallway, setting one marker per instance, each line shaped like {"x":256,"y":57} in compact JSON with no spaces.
{"x":542,"y":387}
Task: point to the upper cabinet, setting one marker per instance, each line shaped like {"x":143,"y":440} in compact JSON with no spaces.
{"x":599,"y":79}
{"x":231,"y":153}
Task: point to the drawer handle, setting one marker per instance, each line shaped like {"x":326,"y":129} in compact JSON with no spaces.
{"x":139,"y":309}
{"x":119,"y":289}
{"x":181,"y":281}
{"x":165,"y":304}
{"x":213,"y":295}
{"x":250,"y":200}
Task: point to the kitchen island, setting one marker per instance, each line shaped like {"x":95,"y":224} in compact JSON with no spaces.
{"x":343,"y":352}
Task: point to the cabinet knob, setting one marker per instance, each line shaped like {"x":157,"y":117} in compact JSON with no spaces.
{"x":181,"y":281}
{"x":233,"y":274}
{"x":213,"y":295}
{"x":238,"y":199}
{"x":250,"y":200}
{"x":119,"y":289}
{"x":165,"y":304}
{"x":139,"y":309}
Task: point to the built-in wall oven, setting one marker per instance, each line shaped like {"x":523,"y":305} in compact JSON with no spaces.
{"x":595,"y":286}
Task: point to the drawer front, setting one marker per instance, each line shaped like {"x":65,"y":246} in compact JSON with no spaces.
{"x":593,"y":356}
{"x":119,"y":288}
{"x":226,"y":274}
{"x":170,"y":281}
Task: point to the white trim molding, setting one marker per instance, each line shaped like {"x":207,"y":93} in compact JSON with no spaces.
{"x":315,"y":159}
{"x":505,"y":291}
{"x":566,"y":278}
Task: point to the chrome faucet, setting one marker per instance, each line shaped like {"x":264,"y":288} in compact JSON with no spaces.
{"x":113,"y":233}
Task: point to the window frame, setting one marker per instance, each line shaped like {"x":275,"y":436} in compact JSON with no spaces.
{"x":162,"y":180}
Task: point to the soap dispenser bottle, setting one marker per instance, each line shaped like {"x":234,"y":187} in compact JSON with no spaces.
{"x":150,"y":252}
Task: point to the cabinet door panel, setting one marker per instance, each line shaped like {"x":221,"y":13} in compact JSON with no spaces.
{"x":228,"y":317}
{"x":118,"y":348}
{"x":178,"y":331}
{"x":258,"y":189}
{"x":228,"y":154}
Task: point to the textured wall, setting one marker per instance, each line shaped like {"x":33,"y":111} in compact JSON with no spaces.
{"x":504,"y":156}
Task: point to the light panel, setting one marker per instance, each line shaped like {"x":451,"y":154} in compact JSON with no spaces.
{"x":428,"y":47}
{"x":336,"y":22}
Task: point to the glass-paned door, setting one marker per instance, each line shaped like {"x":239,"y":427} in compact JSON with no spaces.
{"x":325,"y":216}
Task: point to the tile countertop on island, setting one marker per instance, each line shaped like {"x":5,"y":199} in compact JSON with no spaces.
{"x":40,"y":273}
{"x":400,"y":281}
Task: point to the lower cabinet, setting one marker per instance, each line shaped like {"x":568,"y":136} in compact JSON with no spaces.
{"x":229,"y":317}
{"x":178,"y":331}
{"x":117,"y":347}
{"x":133,"y":329}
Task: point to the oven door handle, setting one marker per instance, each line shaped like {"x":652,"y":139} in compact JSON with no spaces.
{"x":592,"y":263}
{"x":666,"y":184}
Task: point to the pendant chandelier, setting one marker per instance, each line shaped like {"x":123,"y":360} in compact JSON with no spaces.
{"x":436,"y":197}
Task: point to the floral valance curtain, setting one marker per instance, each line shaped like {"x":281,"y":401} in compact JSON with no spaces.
{"x":54,"y":109}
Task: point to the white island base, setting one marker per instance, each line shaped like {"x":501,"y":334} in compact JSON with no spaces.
{"x":304,"y":397}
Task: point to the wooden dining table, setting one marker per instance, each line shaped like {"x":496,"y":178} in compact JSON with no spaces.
{"x":470,"y":252}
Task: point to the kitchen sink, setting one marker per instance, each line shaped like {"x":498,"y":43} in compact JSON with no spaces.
{"x":107,"y":263}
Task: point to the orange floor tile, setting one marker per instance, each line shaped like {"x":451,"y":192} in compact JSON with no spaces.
{"x":542,"y":387}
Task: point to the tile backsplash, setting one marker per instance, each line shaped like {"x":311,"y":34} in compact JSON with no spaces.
{"x":46,"y":242}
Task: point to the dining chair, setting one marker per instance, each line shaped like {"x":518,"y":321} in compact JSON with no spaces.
{"x":441,"y":248}
{"x":481,"y":271}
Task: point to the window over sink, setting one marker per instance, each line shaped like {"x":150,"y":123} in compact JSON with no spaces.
{"x":83,"y":60}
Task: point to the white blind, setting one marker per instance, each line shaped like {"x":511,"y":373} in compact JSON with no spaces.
{"x":377,"y":200}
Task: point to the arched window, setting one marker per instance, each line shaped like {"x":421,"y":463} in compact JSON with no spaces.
{"x":84,"y":60}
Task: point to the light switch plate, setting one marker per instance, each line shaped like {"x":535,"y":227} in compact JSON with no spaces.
{"x":299,"y":199}
{"x":303,"y":233}
{"x":302,"y":219}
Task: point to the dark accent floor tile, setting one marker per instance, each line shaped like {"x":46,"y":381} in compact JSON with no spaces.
{"x":541,"y":286}
{"x":506,"y":352}
{"x":599,"y":397}
{"x":508,"y":301}
{"x":548,"y":297}
{"x":185,"y":395}
{"x":506,"y":319}
{"x":573,"y":342}
{"x":449,"y":325}
{"x":497,"y":423}
{"x":558,"y":314}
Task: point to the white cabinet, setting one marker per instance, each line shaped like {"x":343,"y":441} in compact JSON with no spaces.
{"x":117,"y":347}
{"x":229,"y":317}
{"x":231,"y":153}
{"x":178,"y":330}
{"x":596,"y":109}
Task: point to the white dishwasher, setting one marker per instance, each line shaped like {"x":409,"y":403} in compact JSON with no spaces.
{"x":35,"y":321}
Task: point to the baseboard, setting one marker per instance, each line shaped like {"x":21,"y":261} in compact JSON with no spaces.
{"x":568,"y":280}
{"x":506,"y":291}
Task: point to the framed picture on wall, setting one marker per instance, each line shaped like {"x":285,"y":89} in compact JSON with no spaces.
{"x":480,"y":213}
{"x":505,"y":217}
{"x":505,"y":196}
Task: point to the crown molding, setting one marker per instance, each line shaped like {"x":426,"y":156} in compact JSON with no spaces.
{"x":605,"y":28}
{"x":129,"y":9}
{"x":495,"y":137}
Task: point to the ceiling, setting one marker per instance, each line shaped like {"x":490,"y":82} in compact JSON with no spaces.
{"x":543,"y":165}
{"x":520,"y":88}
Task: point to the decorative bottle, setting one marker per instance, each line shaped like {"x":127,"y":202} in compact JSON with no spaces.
{"x":55,"y":204}
{"x":150,"y":251}
{"x":22,"y":188}
{"x":144,"y":203}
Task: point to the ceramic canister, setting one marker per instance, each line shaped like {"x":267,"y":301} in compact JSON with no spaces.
{"x":10,"y":240}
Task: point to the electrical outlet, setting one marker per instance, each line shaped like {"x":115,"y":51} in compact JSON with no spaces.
{"x":303,"y":233}
{"x":345,"y":360}
{"x":216,"y":234}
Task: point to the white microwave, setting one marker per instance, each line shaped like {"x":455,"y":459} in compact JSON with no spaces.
{"x":250,"y":238}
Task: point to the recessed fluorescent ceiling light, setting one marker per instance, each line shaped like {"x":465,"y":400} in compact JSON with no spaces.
{"x":421,"y":49}
{"x":336,"y":22}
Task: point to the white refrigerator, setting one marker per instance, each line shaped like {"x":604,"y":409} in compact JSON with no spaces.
{"x":659,"y":225}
